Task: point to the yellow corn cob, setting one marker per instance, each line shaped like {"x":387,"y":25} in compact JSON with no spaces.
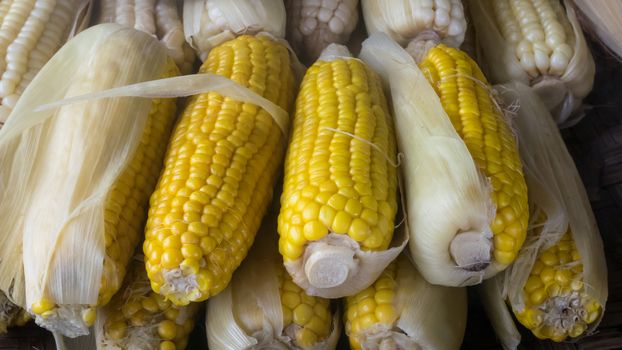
{"x":401,"y":310}
{"x":465,"y":96}
{"x":218,"y":177}
{"x":30,"y":33}
{"x":307,"y":319}
{"x":556,"y":304}
{"x":338,"y":173}
{"x":138,"y":317}
{"x":160,"y":18}
{"x":10,"y":314}
{"x":126,"y":204}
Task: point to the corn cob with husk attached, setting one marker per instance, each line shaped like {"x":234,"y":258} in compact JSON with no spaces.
{"x":266,"y":309}
{"x":465,"y":191}
{"x":314,"y":24}
{"x":538,"y":43}
{"x":339,"y":196}
{"x":557,"y":287}
{"x":138,"y":318}
{"x":31,"y":31}
{"x":81,"y":175}
{"x":160,"y":18}
{"x":11,"y":315}
{"x":220,"y":170}
{"x":401,"y":310}
{"x":417,"y":23}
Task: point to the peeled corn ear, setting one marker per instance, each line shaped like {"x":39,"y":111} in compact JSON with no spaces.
{"x":415,"y":23}
{"x":401,"y":310}
{"x":557,"y":287}
{"x":76,"y":180}
{"x":465,"y":192}
{"x":208,"y":23}
{"x":314,"y":24}
{"x":339,"y":197}
{"x":537,"y":43}
{"x":32,"y":31}
{"x":160,"y":18}
{"x":219,"y":173}
{"x":138,"y":318}
{"x":10,"y":314}
{"x":264,"y":308}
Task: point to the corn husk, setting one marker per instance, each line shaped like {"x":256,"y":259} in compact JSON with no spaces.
{"x":141,"y":333}
{"x":312,"y":25}
{"x":160,"y":18}
{"x":71,"y":152}
{"x":409,"y":23}
{"x":445,"y":191}
{"x":208,"y":23}
{"x":10,"y":314}
{"x":248,"y":313}
{"x":556,"y":190}
{"x":604,"y":19}
{"x":429,"y":316}
{"x":562,"y":94}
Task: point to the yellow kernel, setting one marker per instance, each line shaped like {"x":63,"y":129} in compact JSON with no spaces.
{"x":315,"y":230}
{"x":316,"y":325}
{"x":190,"y":266}
{"x":171,"y":313}
{"x":305,"y":338}
{"x":150,"y":305}
{"x":504,"y":242}
{"x":311,"y":211}
{"x":533,"y":283}
{"x":538,"y":296}
{"x":291,"y":300}
{"x":371,"y":217}
{"x":341,"y":223}
{"x":366,"y":306}
{"x":353,"y":207}
{"x":327,"y":215}
{"x":192,"y":251}
{"x":547,"y":275}
{"x":42,"y":306}
{"x":198,"y":228}
{"x":167,"y":329}
{"x":359,"y":230}
{"x":549,"y":259}
{"x":116,"y":330}
{"x":189,"y":238}
{"x":168,"y":345}
{"x":504,"y":257}
{"x":171,"y":258}
{"x":337,"y":201}
{"x":171,"y":242}
{"x":288,"y":317}
{"x":367,"y":321}
{"x":563,"y":277}
{"x":384,"y":296}
{"x":385,"y":313}
{"x":302,"y":314}
{"x":89,"y":315}
{"x":130,"y":308}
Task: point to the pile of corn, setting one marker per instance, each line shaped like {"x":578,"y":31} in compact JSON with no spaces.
{"x":406,"y":145}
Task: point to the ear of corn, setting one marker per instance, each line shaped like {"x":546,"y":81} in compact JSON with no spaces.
{"x":81,"y":175}
{"x":219,"y":172}
{"x":403,"y":311}
{"x":312,"y":25}
{"x":465,"y":191}
{"x":208,"y":23}
{"x":407,"y":21}
{"x":537,"y":43}
{"x":557,"y":287}
{"x":339,"y":195}
{"x":32,"y":31}
{"x":266,"y":308}
{"x":160,"y":18}
{"x":138,"y":318}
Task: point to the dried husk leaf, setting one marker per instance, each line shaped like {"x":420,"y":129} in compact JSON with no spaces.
{"x":208,"y":23}
{"x":445,"y":192}
{"x":604,"y":19}
{"x":248,"y":313}
{"x":555,"y":190}
{"x":563,"y":94}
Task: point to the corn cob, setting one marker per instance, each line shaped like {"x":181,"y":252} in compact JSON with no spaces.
{"x":160,"y":18}
{"x":410,"y":21}
{"x":10,"y":314}
{"x":401,"y":311}
{"x":314,"y":24}
{"x":340,"y":182}
{"x":102,"y":165}
{"x":466,"y":195}
{"x":30,"y":33}
{"x":269,"y":307}
{"x":136,"y":317}
{"x":539,"y":43}
{"x":219,"y":172}
{"x":480,"y":123}
{"x":557,"y":287}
